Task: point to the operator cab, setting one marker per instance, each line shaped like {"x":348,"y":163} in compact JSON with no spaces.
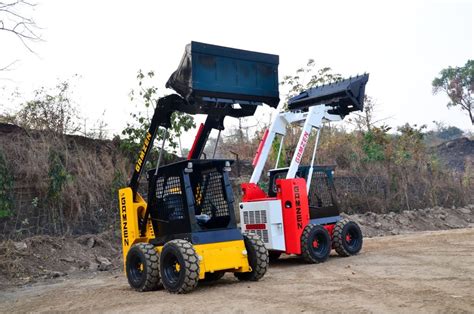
{"x":189,"y":197}
{"x":322,"y":193}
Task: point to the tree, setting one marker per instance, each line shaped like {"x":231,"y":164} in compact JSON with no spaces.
{"x":18,"y":24}
{"x":147,"y":95}
{"x":308,"y":77}
{"x":458,"y":84}
{"x":50,"y":110}
{"x":365,"y":121}
{"x":447,"y":133}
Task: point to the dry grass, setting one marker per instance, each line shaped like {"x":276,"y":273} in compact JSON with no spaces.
{"x":62,"y":184}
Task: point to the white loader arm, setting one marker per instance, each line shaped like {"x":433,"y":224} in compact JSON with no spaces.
{"x":331,"y":102}
{"x":313,"y":118}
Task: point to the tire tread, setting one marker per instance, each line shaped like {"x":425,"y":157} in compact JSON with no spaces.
{"x":253,"y":242}
{"x":191,"y":268}
{"x":152,"y":263}
{"x":305,"y":250}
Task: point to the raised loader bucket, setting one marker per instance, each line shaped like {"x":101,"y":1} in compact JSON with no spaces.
{"x":344,"y":96}
{"x":213,"y":74}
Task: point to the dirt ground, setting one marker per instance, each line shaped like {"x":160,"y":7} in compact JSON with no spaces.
{"x":423,"y":272}
{"x":41,"y":258}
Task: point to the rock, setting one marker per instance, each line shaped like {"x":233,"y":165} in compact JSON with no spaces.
{"x":56,"y":274}
{"x":93,"y":266}
{"x":377,"y":225}
{"x":20,"y":246}
{"x":67,"y":259}
{"x":91,"y":242}
{"x":104,"y":264}
{"x":83,"y":264}
{"x":466,"y":211}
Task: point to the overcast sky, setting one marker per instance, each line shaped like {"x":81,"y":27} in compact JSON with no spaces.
{"x":403,"y":45}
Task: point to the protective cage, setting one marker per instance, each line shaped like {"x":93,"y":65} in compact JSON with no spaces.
{"x":191,"y":197}
{"x":210,"y":73}
{"x":322,"y":194}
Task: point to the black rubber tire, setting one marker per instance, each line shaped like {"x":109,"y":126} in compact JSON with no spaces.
{"x":210,"y":277}
{"x":274,"y":256}
{"x":182,"y":280}
{"x":257,"y":255}
{"x":143,"y":267}
{"x":341,"y":244}
{"x":315,"y":244}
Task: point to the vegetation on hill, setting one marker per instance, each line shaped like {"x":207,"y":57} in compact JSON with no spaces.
{"x":55,"y":181}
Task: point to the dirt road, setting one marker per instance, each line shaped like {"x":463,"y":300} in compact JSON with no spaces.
{"x":422,"y":272}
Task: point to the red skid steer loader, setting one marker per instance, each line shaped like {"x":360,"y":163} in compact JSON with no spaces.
{"x":299,"y":212}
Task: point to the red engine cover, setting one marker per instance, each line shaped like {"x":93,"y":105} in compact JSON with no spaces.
{"x":294,"y":202}
{"x":252,"y":192}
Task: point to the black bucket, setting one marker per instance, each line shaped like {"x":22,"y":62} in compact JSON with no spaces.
{"x":215,"y":74}
{"x":344,"y":96}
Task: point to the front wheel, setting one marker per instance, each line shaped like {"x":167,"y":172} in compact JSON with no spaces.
{"x":347,"y":238}
{"x":315,"y":244}
{"x":142,"y":267}
{"x":179,"y":266}
{"x":257,"y":256}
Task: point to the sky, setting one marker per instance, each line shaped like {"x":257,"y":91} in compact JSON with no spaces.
{"x":402,"y":44}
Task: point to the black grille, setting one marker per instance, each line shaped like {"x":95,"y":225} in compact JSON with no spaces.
{"x":210,"y":195}
{"x":320,"y":193}
{"x":255,"y":217}
{"x":170,"y":198}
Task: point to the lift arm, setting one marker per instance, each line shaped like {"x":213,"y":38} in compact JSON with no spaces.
{"x":331,"y":102}
{"x":313,"y":118}
{"x":161,"y":117}
{"x":215,"y":120}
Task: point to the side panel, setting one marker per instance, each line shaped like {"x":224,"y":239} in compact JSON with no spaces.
{"x":265,"y":219}
{"x":129,"y":213}
{"x":294,"y":201}
{"x":230,"y":256}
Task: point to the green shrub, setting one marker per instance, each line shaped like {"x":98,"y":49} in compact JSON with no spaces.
{"x":6,"y":186}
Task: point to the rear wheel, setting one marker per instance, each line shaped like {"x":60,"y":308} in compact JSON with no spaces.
{"x":257,"y":256}
{"x":142,"y":267}
{"x":179,"y":266}
{"x":315,"y":244}
{"x":347,"y":238}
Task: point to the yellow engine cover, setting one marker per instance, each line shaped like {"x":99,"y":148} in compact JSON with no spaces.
{"x":230,"y":256}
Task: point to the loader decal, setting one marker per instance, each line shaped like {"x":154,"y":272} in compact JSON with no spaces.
{"x":299,"y":216}
{"x":146,"y":142}
{"x":123,"y":209}
{"x":300,"y":152}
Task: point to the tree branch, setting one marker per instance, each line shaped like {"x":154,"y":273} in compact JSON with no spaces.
{"x":7,"y":67}
{"x":24,"y":28}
